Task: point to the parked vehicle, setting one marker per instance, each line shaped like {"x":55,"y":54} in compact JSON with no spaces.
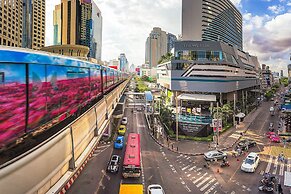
{"x":246,"y":143}
{"x":122,"y":130}
{"x":251,"y":162}
{"x":155,"y":189}
{"x":275,"y":138}
{"x":113,"y":165}
{"x":119,"y":142}
{"x":124,"y":121}
{"x":215,"y":155}
{"x":270,"y":133}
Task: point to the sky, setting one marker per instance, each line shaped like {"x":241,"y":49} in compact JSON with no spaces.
{"x":127,"y":24}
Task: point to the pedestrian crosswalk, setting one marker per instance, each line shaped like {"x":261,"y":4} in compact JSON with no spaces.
{"x":276,"y":167}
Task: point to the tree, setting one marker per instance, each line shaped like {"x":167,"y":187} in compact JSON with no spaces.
{"x":165,"y":58}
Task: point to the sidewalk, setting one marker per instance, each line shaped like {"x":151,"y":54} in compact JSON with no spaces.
{"x":227,"y":139}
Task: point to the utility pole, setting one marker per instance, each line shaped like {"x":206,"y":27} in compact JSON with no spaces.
{"x":177,"y":117}
{"x":217,"y":125}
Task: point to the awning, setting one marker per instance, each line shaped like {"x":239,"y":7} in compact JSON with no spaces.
{"x":148,"y":96}
{"x":197,"y":97}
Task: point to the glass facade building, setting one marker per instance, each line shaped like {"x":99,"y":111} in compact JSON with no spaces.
{"x":216,"y":20}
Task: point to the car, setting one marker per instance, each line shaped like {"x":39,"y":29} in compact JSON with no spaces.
{"x":272,"y":99}
{"x":271,"y":109}
{"x":246,"y":143}
{"x":270,"y":133}
{"x":275,"y":138}
{"x":139,"y":108}
{"x":155,"y":189}
{"x":122,"y":130}
{"x":124,"y":121}
{"x":119,"y":142}
{"x":250,"y":163}
{"x":113,"y":164}
{"x":215,"y":155}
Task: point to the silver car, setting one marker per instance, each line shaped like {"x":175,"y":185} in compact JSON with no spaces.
{"x":215,"y":155}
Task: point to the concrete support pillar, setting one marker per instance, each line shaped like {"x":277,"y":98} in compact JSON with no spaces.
{"x":72,"y":165}
{"x":177,"y":117}
{"x":243,"y":100}
{"x":247,"y":102}
{"x":96,"y":129}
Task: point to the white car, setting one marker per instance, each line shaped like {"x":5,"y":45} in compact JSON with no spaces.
{"x":124,"y":121}
{"x":155,"y":189}
{"x":251,"y":162}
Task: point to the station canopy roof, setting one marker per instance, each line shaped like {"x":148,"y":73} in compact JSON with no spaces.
{"x":197,"y":97}
{"x":148,"y":96}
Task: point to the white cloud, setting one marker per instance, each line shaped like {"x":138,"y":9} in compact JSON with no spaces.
{"x":269,"y":39}
{"x":276,"y":9}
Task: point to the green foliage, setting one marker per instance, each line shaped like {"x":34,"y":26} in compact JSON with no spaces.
{"x":141,"y":86}
{"x":165,"y":58}
{"x":225,"y":112}
{"x":269,"y":94}
{"x":284,"y":81}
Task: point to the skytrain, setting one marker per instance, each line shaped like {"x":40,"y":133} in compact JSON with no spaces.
{"x":40,"y":90}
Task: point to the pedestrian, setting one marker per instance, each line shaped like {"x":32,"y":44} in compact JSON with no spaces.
{"x":209,"y":146}
{"x":280,"y":190}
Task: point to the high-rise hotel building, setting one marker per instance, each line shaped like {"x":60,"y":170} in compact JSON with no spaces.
{"x":211,"y":20}
{"x":22,"y":23}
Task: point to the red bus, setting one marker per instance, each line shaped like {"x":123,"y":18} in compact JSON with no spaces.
{"x":131,"y":162}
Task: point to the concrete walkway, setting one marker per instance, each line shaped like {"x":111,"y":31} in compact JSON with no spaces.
{"x":227,"y":139}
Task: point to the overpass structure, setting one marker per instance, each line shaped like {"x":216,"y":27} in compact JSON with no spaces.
{"x":48,"y":167}
{"x":39,"y":91}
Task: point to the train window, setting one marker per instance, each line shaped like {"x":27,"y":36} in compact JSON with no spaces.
{"x":1,"y":77}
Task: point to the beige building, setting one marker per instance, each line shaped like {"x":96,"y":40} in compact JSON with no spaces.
{"x":38,"y":24}
{"x":77,"y":51}
{"x":156,"y":46}
{"x":12,"y":29}
{"x":11,"y":23}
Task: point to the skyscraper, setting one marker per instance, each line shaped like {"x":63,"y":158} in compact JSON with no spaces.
{"x":204,"y":20}
{"x":81,"y":24}
{"x":156,"y":46}
{"x":22,"y":23}
{"x":123,"y":63}
{"x":57,"y":14}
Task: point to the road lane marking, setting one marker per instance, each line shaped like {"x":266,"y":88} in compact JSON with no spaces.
{"x":211,"y":188}
{"x":197,"y":180}
{"x":269,"y":165}
{"x":187,"y":188}
{"x":190,"y":169}
{"x":282,"y":169}
{"x":202,"y":182}
{"x":188,"y":175}
{"x":276,"y":166}
{"x":186,"y":167}
{"x":207,"y":185}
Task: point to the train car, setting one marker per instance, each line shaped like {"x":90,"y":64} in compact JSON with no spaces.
{"x":37,"y":88}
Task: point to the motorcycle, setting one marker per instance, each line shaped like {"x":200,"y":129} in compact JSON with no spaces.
{"x":267,"y":184}
{"x":266,"y":188}
{"x":225,"y":164}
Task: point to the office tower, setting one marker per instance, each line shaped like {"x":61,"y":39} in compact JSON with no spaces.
{"x":81,"y":24}
{"x":22,"y":23}
{"x":123,"y":63}
{"x":57,"y":13}
{"x":204,"y":20}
